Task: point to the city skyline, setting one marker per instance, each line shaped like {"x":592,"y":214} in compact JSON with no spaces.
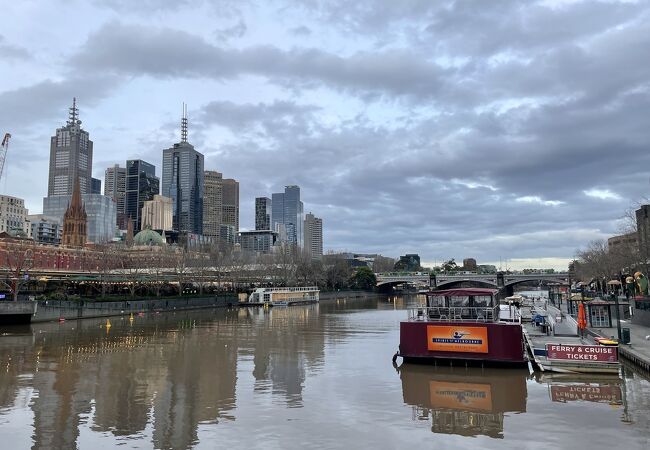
{"x":432,"y":128}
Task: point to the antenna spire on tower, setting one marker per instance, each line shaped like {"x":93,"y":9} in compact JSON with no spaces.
{"x":184,"y":124}
{"x":73,"y":118}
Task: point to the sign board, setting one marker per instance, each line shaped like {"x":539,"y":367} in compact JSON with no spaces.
{"x":457,"y":339}
{"x":587,"y":392}
{"x":464,"y":396}
{"x":587,"y":353}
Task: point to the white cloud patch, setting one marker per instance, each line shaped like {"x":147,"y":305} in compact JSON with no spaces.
{"x":602,"y":194}
{"x":538,"y":200}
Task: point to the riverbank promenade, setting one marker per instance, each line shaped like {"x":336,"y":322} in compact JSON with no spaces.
{"x":638,"y":350}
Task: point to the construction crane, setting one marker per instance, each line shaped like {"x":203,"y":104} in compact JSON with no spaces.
{"x":3,"y":152}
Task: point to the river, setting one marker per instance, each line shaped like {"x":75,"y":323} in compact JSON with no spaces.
{"x":317,"y":376}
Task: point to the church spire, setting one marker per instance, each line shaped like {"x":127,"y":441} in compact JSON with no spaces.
{"x":75,"y":202}
{"x":75,"y":220}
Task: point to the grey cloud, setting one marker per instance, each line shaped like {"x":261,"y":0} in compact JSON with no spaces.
{"x":301,"y":31}
{"x":235,"y":31}
{"x":163,"y":52}
{"x":27,"y":106}
{"x":10,"y":51}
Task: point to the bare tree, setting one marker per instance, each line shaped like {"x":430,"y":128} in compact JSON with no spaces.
{"x":337,"y":272}
{"x":181,"y":267}
{"x":16,"y":261}
{"x":285,"y":264}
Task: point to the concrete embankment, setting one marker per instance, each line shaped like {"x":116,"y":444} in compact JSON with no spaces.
{"x":349,"y":295}
{"x":80,"y":309}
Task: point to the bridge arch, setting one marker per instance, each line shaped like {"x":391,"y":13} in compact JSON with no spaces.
{"x":467,"y":283}
{"x":532,"y":279}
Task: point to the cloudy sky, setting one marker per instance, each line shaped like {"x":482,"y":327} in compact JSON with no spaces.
{"x":499,"y":130}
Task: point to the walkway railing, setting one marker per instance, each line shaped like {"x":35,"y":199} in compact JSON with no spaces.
{"x":454,"y":314}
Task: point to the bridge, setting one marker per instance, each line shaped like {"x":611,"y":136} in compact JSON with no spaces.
{"x":500,"y":280}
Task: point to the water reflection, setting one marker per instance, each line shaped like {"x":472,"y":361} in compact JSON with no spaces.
{"x":464,"y":401}
{"x":565,"y":388}
{"x":316,"y":375}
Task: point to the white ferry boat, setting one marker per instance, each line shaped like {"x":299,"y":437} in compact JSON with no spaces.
{"x":284,"y":296}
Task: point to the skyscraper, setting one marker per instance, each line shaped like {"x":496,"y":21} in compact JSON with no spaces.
{"x":182,"y":181}
{"x":287,"y":214}
{"x":115,"y":188}
{"x":212,"y":202}
{"x":314,"y":236}
{"x":263,"y":213}
{"x":141,"y":185}
{"x":230,"y":209}
{"x":71,"y":156}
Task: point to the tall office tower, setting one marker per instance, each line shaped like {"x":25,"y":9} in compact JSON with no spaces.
{"x":212,"y":202}
{"x":141,"y":185}
{"x":314,"y":236}
{"x":263,"y":213}
{"x":288,"y":215}
{"x":115,"y":188}
{"x":230,"y":207}
{"x":182,"y":181}
{"x":95,"y":186}
{"x":71,"y":156}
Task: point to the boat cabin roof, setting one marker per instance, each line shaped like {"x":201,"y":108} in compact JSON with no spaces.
{"x":463,"y":292}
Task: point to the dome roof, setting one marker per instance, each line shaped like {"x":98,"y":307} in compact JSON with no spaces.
{"x":148,"y":237}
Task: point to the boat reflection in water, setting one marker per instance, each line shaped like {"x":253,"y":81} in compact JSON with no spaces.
{"x":464,"y":401}
{"x":564,"y":388}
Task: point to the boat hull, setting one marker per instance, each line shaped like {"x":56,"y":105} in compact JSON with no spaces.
{"x":501,"y":344}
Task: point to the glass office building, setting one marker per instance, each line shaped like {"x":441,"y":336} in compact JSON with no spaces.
{"x":182,"y":181}
{"x":101,"y":212}
{"x":287,"y":214}
{"x":141,"y":186}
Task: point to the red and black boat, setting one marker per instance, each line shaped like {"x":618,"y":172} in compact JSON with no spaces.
{"x":464,"y":326}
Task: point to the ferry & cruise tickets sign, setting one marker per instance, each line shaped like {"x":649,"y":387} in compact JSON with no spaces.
{"x":457,"y":339}
{"x":590,"y":353}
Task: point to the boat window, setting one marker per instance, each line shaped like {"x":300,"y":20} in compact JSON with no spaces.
{"x":459,"y":301}
{"x":436,"y":301}
{"x":482,"y":301}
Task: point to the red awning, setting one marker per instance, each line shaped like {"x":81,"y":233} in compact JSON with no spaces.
{"x":463,"y":291}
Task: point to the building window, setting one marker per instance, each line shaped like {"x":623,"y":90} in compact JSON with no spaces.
{"x":62,"y":159}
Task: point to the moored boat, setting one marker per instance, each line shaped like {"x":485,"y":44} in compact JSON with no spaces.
{"x":462,"y":326}
{"x":284,"y":296}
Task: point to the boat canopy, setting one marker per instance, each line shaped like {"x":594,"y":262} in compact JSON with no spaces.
{"x":463,"y":292}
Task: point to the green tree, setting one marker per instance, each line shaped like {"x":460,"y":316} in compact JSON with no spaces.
{"x":450,"y":266}
{"x":363,"y":278}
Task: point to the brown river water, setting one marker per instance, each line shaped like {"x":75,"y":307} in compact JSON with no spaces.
{"x":317,"y":376}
